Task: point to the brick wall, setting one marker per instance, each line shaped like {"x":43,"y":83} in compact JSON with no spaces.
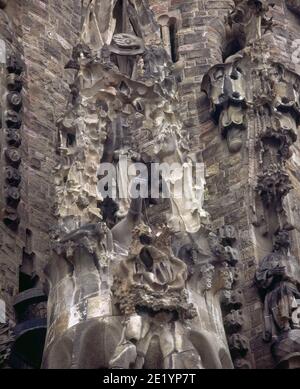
{"x":44,"y":33}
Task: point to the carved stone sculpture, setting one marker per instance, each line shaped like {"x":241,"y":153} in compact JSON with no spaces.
{"x":150,"y":288}
{"x":151,"y":278}
{"x":6,"y":340}
{"x":278,"y":276}
{"x":239,"y":345}
{"x":273,"y":185}
{"x":12,"y":130}
{"x":225,"y":86}
{"x":99,"y":24}
{"x":129,"y":286}
{"x":252,"y":15}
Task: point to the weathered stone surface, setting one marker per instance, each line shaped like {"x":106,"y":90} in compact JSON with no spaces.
{"x":137,"y":92}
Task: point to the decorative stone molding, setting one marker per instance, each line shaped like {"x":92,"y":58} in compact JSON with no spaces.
{"x":221,"y":245}
{"x":238,"y":345}
{"x":273,"y":185}
{"x":225,"y":87}
{"x":12,"y":129}
{"x":224,"y":245}
{"x":234,"y":321}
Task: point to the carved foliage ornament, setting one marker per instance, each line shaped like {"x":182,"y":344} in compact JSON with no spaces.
{"x":273,"y":185}
{"x":283,"y":138}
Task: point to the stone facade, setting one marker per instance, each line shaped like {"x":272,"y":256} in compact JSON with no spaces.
{"x":85,"y":82}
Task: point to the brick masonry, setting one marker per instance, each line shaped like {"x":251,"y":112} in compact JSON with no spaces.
{"x":202,"y":42}
{"x":44,"y":32}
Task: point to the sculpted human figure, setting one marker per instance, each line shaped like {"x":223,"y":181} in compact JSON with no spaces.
{"x":251,"y":14}
{"x":279,"y":277}
{"x":149,"y":287}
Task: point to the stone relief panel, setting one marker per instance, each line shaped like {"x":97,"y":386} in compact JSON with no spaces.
{"x":142,"y":284}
